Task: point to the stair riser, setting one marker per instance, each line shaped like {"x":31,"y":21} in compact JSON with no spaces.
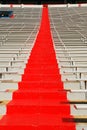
{"x":38,"y":85}
{"x":43,"y":127}
{"x":58,"y":97}
{"x":38,"y":109}
{"x":40,"y":78}
{"x":47,"y":70}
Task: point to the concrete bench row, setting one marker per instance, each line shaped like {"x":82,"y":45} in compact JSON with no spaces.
{"x":17,"y":38}
{"x":69,"y":31}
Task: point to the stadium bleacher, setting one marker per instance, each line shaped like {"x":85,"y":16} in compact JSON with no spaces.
{"x":17,"y":37}
{"x":69,"y":33}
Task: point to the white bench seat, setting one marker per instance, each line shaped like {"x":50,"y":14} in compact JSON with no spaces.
{"x":81,"y":106}
{"x":8,"y":85}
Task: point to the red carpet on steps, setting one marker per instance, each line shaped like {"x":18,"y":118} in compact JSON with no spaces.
{"x":36,"y":105}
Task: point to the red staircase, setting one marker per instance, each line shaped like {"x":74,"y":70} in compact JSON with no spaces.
{"x":37,"y":104}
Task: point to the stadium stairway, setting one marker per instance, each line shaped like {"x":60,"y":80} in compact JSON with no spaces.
{"x":37,"y":104}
